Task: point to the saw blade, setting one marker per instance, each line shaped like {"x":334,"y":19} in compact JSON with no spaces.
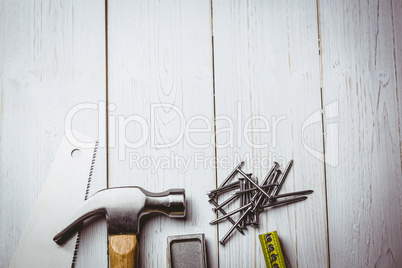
{"x":91,"y":171}
{"x":64,"y":191}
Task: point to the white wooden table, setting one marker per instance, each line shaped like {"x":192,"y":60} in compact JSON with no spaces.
{"x":293,"y":79}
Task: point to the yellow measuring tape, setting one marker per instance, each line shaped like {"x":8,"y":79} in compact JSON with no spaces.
{"x":272,"y":251}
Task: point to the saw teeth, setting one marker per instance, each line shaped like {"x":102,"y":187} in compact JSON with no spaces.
{"x":77,"y":244}
{"x":91,"y":171}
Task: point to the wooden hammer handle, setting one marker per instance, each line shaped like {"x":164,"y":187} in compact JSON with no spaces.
{"x":123,"y":251}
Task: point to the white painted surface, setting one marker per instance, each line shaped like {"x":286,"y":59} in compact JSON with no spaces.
{"x":264,"y":54}
{"x":359,"y":72}
{"x":52,"y":57}
{"x":160,"y":53}
{"x":266,"y":60}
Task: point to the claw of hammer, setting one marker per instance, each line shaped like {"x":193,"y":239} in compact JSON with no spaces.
{"x":123,"y":208}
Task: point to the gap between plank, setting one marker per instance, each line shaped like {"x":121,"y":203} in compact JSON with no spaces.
{"x":107,"y":111}
{"x":214,"y":113}
{"x":107,"y":94}
{"x":396,"y":79}
{"x":323,"y":125}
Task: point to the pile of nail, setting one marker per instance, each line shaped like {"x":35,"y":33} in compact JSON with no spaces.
{"x":254,"y":198}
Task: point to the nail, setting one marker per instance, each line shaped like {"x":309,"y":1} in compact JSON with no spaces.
{"x":242,"y":201}
{"x":285,"y":202}
{"x":275,"y":179}
{"x":223,"y":240}
{"x":247,"y":220}
{"x":285,"y":174}
{"x":274,"y":167}
{"x":266,"y":179}
{"x":223,"y":189}
{"x":253,"y":189}
{"x":224,"y":203}
{"x":232,"y":174}
{"x":231,"y":213}
{"x":248,"y":175}
{"x":292,"y":194}
{"x":256,"y":216}
{"x":224,"y":213}
{"x":255,"y":184}
{"x":260,"y":198}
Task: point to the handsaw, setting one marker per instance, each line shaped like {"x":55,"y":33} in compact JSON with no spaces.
{"x":64,"y":191}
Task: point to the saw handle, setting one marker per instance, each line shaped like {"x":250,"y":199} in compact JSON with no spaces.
{"x":123,"y":251}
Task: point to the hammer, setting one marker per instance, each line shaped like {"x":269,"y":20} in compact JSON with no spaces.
{"x":124,"y":207}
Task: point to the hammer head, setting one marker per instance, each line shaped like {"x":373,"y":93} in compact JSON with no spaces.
{"x":124,"y":207}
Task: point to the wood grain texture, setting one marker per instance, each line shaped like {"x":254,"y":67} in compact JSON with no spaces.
{"x":361,"y":44}
{"x":52,"y":57}
{"x":160,"y":53}
{"x":123,"y":251}
{"x":397,"y":46}
{"x":267,"y":65}
{"x":162,"y":58}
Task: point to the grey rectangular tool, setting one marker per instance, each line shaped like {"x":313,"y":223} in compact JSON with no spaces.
{"x":186,"y":251}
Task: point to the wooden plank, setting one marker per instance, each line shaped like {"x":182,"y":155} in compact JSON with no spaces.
{"x":267,"y":65}
{"x":360,"y":72}
{"x":160,"y":53}
{"x":397,"y":45}
{"x":52,"y":57}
